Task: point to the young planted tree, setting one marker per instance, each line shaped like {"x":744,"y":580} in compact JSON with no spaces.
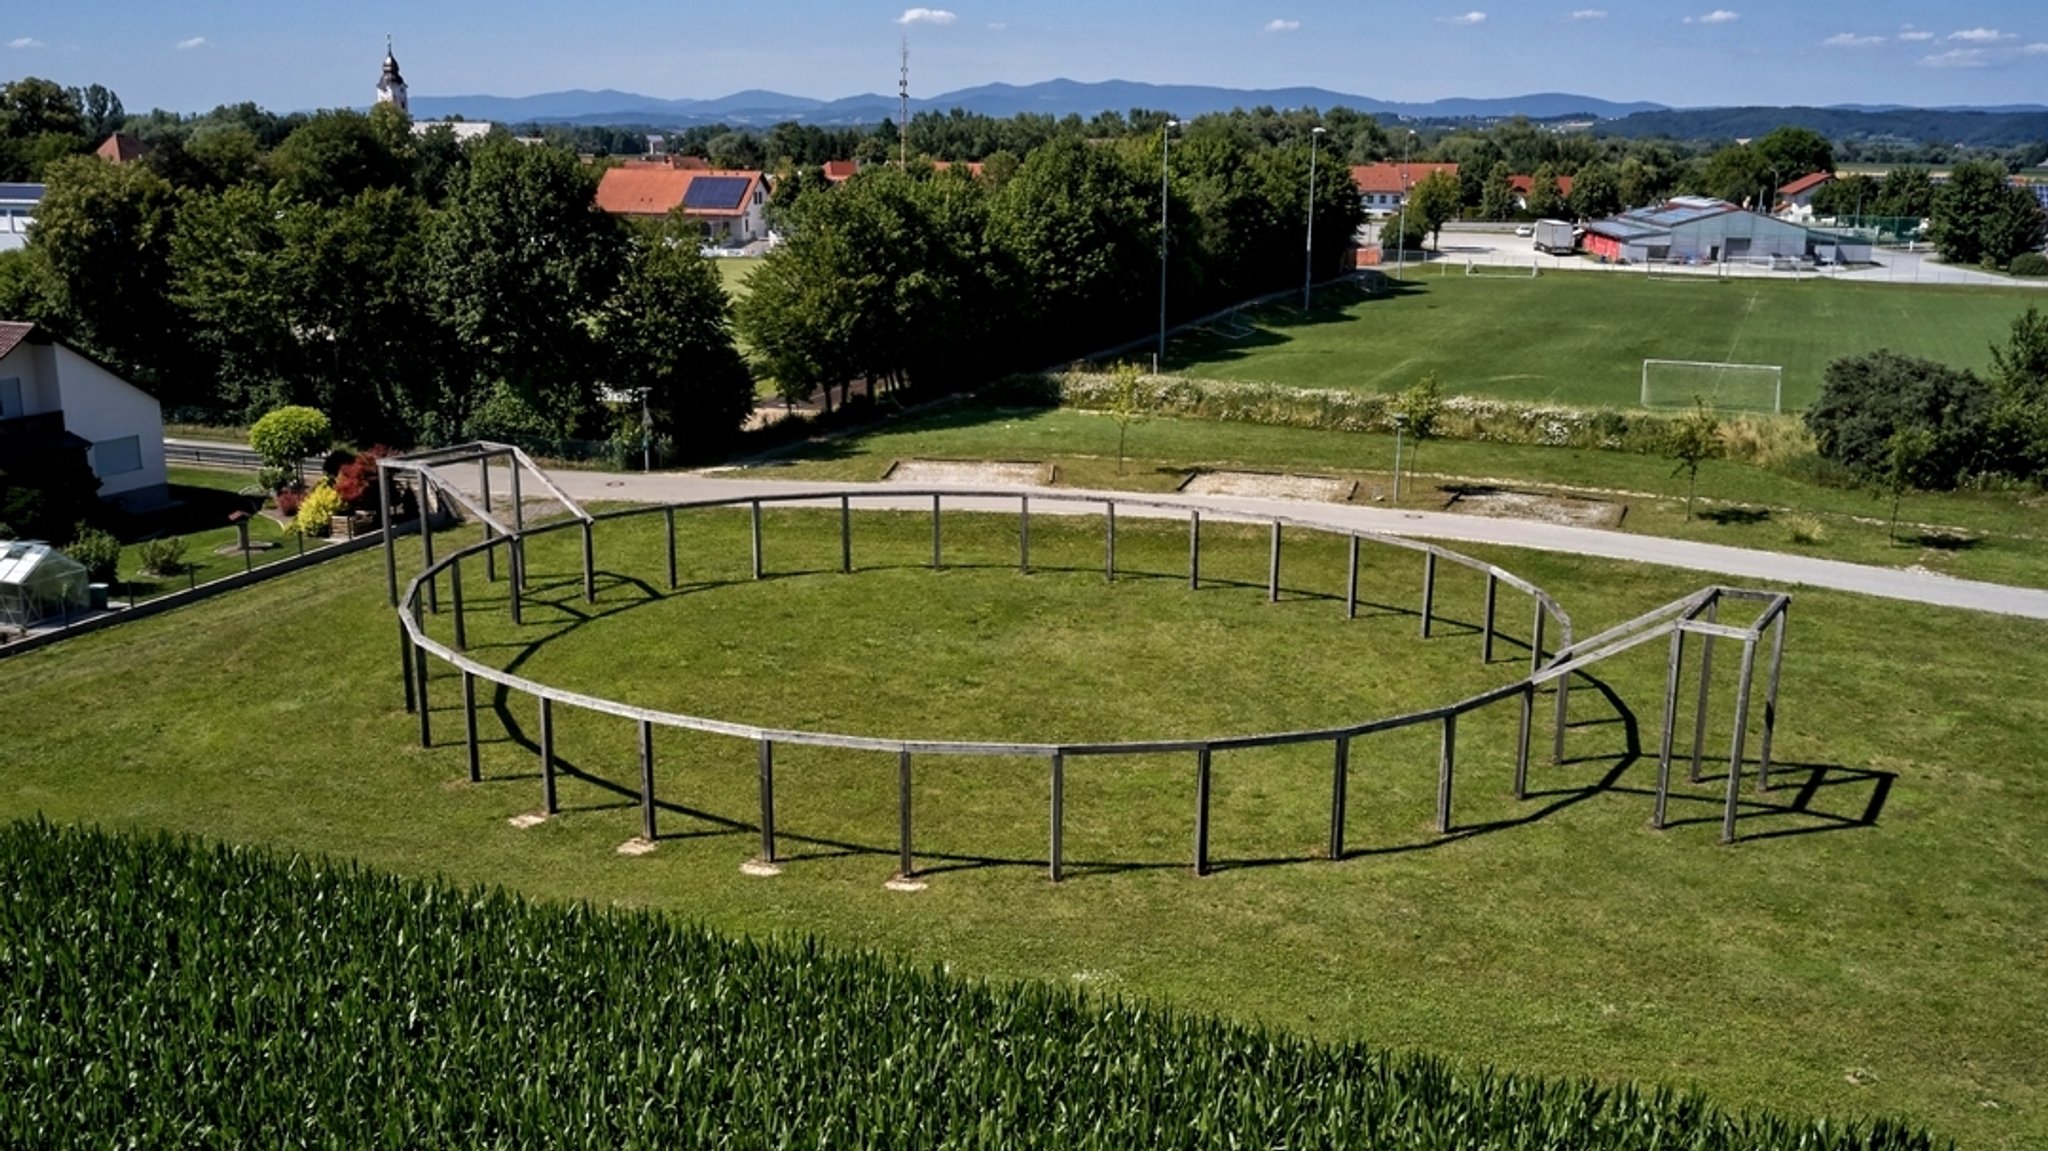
{"x":1696,"y":436}
{"x":1905,"y":451}
{"x":1418,"y":410}
{"x":1126,"y":405}
{"x":285,"y":437}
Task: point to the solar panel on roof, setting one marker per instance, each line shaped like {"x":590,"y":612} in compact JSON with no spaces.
{"x":717,"y":193}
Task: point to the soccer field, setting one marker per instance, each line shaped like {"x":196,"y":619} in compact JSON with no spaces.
{"x":1581,"y":337}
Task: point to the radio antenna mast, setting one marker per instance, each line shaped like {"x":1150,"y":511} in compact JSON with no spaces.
{"x":903,"y":110}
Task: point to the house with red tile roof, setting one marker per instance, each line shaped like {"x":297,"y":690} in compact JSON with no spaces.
{"x":840,"y":171}
{"x":729,"y":205}
{"x":1522,"y":186}
{"x":56,"y":401}
{"x":1384,"y":188}
{"x":1796,"y":198}
{"x":121,"y":148}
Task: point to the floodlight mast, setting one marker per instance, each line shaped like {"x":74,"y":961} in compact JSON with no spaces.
{"x":1308,"y":270}
{"x":1401,"y":253}
{"x":1165,"y":148}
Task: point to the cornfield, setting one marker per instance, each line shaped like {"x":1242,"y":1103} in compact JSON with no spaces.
{"x":170,"y":993}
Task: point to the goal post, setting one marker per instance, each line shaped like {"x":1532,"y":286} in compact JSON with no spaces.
{"x":1492,"y":271}
{"x":1673,"y":384}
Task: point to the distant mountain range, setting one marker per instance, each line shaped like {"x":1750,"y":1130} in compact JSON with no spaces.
{"x":1994,"y":126}
{"x":1051,"y":98}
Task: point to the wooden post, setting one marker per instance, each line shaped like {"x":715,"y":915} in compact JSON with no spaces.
{"x":1561,"y":693}
{"x":1340,"y":783}
{"x":1735,"y":744}
{"x":1059,"y":813}
{"x":1763,"y":777}
{"x":1492,"y":602}
{"x":1202,"y":763}
{"x":1194,"y":550}
{"x":767,"y":801}
{"x":1699,"y":729}
{"x":548,"y":800}
{"x":515,"y":559}
{"x":1522,"y":742}
{"x":405,"y":664}
{"x":668,"y":518}
{"x":905,"y":866}
{"x":754,"y":514}
{"x":845,"y":535}
{"x":1024,"y":538}
{"x":1428,"y":592}
{"x":383,"y":524}
{"x":476,"y":773}
{"x":483,"y":469}
{"x":589,"y":564}
{"x":1446,"y":763}
{"x":647,"y":780}
{"x":935,"y":531}
{"x":426,"y":548}
{"x":1536,"y":640}
{"x":1109,"y":540}
{"x":1671,"y":680}
{"x":1351,"y":583}
{"x":518,"y":527}
{"x":1273,"y":567}
{"x":419,"y":656}
{"x":455,"y":603}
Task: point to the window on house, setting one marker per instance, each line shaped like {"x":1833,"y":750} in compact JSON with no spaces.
{"x":117,"y":457}
{"x":10,"y":399}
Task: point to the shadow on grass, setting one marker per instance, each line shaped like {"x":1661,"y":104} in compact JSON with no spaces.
{"x":1736,"y":517}
{"x":1273,"y":324}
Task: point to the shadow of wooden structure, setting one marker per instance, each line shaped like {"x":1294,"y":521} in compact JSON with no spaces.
{"x":1551,"y":670}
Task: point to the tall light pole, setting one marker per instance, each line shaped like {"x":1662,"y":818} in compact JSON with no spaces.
{"x":1308,"y":270}
{"x":1165,"y":147}
{"x":1401,"y":254}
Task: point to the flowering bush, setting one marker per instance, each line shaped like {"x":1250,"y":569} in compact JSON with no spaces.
{"x":320,"y":504}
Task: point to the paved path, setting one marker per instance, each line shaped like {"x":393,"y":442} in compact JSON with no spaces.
{"x":1715,"y":559}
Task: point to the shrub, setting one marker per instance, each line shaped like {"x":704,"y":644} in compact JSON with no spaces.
{"x":1865,"y":399}
{"x":2029,"y":264}
{"x":320,"y":504}
{"x":357,"y":479}
{"x":274,"y":479}
{"x":162,"y":556}
{"x":286,"y":436}
{"x":99,"y":551}
{"x":1804,"y":529}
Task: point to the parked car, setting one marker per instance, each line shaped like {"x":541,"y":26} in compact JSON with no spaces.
{"x":1524,"y":230}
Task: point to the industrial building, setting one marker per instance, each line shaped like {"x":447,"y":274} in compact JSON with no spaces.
{"x":1702,"y":230}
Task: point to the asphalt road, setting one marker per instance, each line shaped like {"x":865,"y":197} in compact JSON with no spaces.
{"x":1735,"y":564}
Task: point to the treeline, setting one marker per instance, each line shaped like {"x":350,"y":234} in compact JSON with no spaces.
{"x":415,"y":289}
{"x":944,"y":279}
{"x":1955,"y":134}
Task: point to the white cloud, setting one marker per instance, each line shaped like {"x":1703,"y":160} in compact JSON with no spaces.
{"x":997,"y":25}
{"x":194,"y":42}
{"x":1852,"y":40}
{"x":1717,"y":16}
{"x":1912,"y":35}
{"x":26,"y":42}
{"x":1980,"y":35}
{"x":1590,"y":14}
{"x":1958,"y":58}
{"x":926,"y":16}
{"x":1283,"y":25}
{"x":1467,"y":20}
{"x":2035,"y":49}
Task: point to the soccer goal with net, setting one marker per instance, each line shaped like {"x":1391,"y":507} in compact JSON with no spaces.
{"x":1670,"y":384}
{"x":1680,"y":270}
{"x":1502,"y":271}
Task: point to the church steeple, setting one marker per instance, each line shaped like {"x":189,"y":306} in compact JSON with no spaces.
{"x":391,"y":86}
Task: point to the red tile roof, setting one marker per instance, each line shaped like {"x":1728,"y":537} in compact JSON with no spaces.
{"x":1523,"y":185}
{"x":1805,"y":184}
{"x":1395,"y":177}
{"x":13,"y":333}
{"x":121,"y":148}
{"x":657,"y":191}
{"x":973,"y":166}
{"x":838,"y":171}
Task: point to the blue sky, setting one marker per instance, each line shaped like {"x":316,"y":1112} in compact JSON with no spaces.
{"x":192,"y":55}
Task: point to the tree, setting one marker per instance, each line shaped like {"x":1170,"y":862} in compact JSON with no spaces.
{"x":104,"y":231}
{"x":1905,"y":451}
{"x":1546,"y":200}
{"x":1979,"y":215}
{"x":1848,"y":197}
{"x":286,"y":436}
{"x":337,"y":155}
{"x":2019,"y":416}
{"x":1435,"y":202}
{"x":1864,"y":399}
{"x":100,"y":110}
{"x":1497,"y":198}
{"x":1419,"y":409}
{"x":40,"y":122}
{"x":1906,"y":192}
{"x":668,"y":331}
{"x":1740,"y":175}
{"x":1596,"y":192}
{"x":1126,"y":405}
{"x":1694,"y":437}
{"x":1795,"y":152}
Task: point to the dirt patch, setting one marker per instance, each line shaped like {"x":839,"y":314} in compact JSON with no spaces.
{"x":1270,"y":486}
{"x":1507,"y":504}
{"x":969,"y":473}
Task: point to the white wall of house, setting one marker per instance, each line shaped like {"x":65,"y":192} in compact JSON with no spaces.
{"x":124,"y":423}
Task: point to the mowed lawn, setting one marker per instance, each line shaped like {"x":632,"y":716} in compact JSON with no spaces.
{"x":1581,"y":338}
{"x":733,"y":272}
{"x":1877,"y":944}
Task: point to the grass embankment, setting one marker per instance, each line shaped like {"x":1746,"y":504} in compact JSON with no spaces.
{"x":174,"y":993}
{"x":1989,"y":536}
{"x":1580,"y":338}
{"x":1874,"y":947}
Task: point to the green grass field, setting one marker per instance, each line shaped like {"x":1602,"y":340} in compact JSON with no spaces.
{"x":1581,"y":337}
{"x":1875,"y":946}
{"x":734,"y":271}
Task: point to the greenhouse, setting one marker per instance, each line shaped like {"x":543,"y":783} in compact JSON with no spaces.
{"x":38,"y":581}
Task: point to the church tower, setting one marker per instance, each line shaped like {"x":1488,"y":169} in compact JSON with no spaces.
{"x":391,"y":86}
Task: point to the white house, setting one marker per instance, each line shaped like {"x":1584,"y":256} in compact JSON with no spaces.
{"x":54,"y":398}
{"x":17,"y":211}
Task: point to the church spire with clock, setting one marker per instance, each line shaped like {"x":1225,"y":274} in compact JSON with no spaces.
{"x":391,"y":86}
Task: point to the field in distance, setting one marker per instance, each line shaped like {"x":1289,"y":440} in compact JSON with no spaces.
{"x":1580,"y":338}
